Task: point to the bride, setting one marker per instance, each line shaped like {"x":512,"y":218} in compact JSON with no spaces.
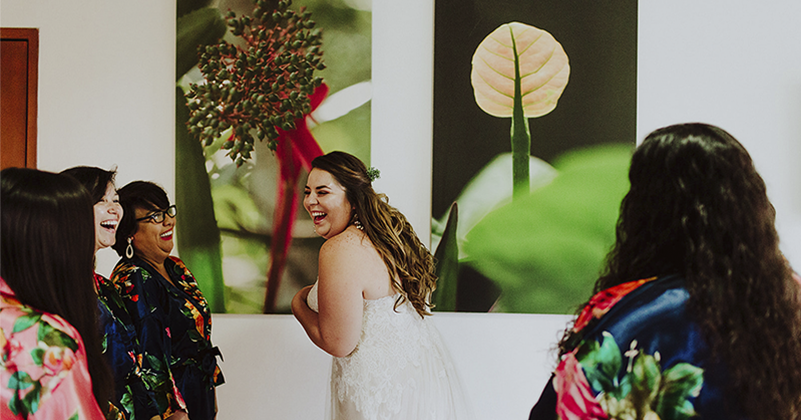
{"x":369,"y":306}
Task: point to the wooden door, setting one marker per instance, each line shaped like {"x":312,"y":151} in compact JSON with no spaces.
{"x":19,"y":70}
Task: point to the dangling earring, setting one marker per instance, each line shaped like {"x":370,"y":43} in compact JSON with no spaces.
{"x":356,"y":222}
{"x":129,"y":251}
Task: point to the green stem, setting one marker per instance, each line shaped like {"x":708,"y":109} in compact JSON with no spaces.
{"x":521,"y":137}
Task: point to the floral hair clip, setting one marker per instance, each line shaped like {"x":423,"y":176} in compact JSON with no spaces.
{"x":373,"y":174}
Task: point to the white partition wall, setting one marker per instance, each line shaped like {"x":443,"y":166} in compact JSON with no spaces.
{"x":403,"y":106}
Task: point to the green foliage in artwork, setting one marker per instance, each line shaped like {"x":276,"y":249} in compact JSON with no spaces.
{"x":545,"y":250}
{"x":447,"y":265}
{"x":199,"y":238}
{"x":200,"y":27}
{"x":242,"y":200}
{"x":259,"y":88}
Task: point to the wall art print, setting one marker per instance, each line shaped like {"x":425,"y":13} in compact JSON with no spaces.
{"x":263,"y":87}
{"x":536,"y":187}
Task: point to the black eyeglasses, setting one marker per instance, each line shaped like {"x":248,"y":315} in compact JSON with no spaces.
{"x":159,"y":215}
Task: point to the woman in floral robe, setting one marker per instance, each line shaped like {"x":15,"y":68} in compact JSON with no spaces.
{"x":133,"y":398}
{"x":171,"y":316}
{"x":697,"y":312}
{"x":50,"y":352}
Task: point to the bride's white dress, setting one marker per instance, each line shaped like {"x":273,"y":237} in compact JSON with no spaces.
{"x":400,"y":369}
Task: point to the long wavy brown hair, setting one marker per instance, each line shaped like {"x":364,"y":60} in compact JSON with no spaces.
{"x":410,"y":264}
{"x":698,"y":207}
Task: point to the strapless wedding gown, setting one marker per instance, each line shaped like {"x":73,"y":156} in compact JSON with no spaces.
{"x":400,"y":370}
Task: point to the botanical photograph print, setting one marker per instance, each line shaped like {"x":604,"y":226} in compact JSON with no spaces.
{"x":534,"y":124}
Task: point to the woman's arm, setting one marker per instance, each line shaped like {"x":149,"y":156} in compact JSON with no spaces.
{"x":307,"y":317}
{"x":342,"y":279}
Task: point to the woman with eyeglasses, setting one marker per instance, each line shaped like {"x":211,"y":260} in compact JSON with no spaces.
{"x":169,"y":312}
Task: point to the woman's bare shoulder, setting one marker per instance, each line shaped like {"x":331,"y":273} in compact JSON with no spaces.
{"x":350,"y":242}
{"x":351,"y":257}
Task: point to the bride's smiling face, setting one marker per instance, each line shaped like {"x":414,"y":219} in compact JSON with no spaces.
{"x":327,"y":204}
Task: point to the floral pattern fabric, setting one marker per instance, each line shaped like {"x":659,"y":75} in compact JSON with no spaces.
{"x":173,"y":325}
{"x":43,"y":362}
{"x":637,"y":355}
{"x":133,"y":399}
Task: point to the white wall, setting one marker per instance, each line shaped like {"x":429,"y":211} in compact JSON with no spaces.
{"x":403,"y":73}
{"x":106,"y":97}
{"x":106,"y":87}
{"x":736,"y":64}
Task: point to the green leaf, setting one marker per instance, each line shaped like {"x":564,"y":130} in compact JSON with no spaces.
{"x":127,"y":401}
{"x":37,"y":355}
{"x":608,"y":356}
{"x":680,"y":382}
{"x":186,"y":6}
{"x":199,"y":240}
{"x":75,"y":416}
{"x":488,"y":190}
{"x":516,"y":53}
{"x":26,"y":321}
{"x":601,"y":363}
{"x":446,"y":258}
{"x":195,"y":336}
{"x":645,"y":377}
{"x":155,"y":362}
{"x":203,"y":26}
{"x":545,"y":251}
{"x":32,"y":398}
{"x":56,"y":338}
{"x":20,"y":380}
{"x":595,"y":377}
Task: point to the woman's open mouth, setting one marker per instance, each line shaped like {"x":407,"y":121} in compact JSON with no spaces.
{"x":166,"y":235}
{"x":318,"y":216}
{"x":109,"y":225}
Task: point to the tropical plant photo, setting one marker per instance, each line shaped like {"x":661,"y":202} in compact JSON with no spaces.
{"x":534,"y":125}
{"x":262,"y":87}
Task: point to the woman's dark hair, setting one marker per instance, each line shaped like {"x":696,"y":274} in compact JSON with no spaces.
{"x":137,"y":195}
{"x":95,"y":180}
{"x":48,"y":246}
{"x":697,"y":207}
{"x":410,"y":264}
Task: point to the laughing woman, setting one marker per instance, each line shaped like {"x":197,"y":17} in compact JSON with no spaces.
{"x":120,"y":346}
{"x":171,"y":316}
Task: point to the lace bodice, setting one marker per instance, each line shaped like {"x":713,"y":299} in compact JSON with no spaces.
{"x":381,"y":368}
{"x":399,"y":370}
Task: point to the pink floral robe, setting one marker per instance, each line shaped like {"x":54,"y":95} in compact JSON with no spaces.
{"x":44,"y":374}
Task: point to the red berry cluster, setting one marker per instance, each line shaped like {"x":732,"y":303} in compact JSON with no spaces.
{"x":261,"y":87}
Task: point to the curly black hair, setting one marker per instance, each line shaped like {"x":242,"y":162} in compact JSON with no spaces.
{"x":697,"y":207}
